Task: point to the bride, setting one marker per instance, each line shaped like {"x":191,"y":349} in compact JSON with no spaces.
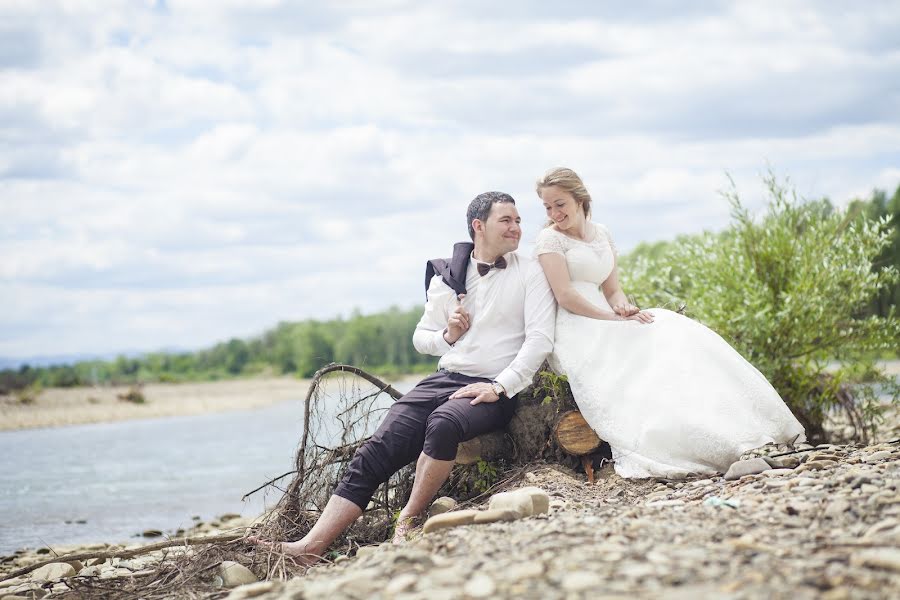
{"x":669,"y":395}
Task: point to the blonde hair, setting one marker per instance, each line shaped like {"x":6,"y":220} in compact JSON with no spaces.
{"x":569,"y":181}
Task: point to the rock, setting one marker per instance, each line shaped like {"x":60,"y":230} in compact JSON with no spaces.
{"x":811,"y":465}
{"x":401,"y":583}
{"x":364,"y":551}
{"x":252,"y":590}
{"x":778,"y":472}
{"x":95,"y":561}
{"x":234,"y":574}
{"x":789,"y":462}
{"x":881,"y":527}
{"x":746,"y":467}
{"x":525,"y":570}
{"x":450,"y":519}
{"x":880,"y":558}
{"x":494,"y":515}
{"x":579,"y":581}
{"x":877,"y":456}
{"x":359,"y":584}
{"x":837,"y":508}
{"x":665,"y":503}
{"x":76,"y":564}
{"x":93,"y":571}
{"x":152,"y":533}
{"x":52,"y":572}
{"x":778,"y":483}
{"x":480,"y":586}
{"x":515,"y":500}
{"x":442,"y":505}
{"x":539,"y":498}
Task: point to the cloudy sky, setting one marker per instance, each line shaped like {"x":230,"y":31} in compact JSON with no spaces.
{"x":177,"y":172}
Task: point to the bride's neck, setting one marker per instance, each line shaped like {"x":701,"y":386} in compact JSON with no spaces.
{"x":578,"y":231}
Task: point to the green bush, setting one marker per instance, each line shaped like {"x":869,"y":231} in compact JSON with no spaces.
{"x":29,"y":394}
{"x":790,"y":292}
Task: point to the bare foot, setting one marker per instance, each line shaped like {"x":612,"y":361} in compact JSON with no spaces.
{"x":300,"y":552}
{"x":404,"y":527}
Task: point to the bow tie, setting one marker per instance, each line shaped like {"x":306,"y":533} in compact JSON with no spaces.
{"x":484,"y":268}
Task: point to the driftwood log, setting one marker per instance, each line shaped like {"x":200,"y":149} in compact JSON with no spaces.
{"x":575,"y":436}
{"x":547,"y":425}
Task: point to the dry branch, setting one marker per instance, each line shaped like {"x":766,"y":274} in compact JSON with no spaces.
{"x":130,"y":553}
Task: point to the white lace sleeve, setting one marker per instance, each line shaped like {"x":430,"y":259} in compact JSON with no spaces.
{"x":548,"y":241}
{"x":605,"y":232}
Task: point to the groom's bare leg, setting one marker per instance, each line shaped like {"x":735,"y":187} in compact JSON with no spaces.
{"x":338,"y":515}
{"x":430,"y":476}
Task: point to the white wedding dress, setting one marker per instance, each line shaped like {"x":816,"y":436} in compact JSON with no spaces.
{"x":671,"y":397}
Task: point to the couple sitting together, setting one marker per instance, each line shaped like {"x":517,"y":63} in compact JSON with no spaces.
{"x":670,"y":396}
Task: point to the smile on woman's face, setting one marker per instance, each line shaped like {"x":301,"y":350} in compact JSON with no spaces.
{"x":562,"y":208}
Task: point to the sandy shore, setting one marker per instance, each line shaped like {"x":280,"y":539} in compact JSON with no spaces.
{"x":57,"y":407}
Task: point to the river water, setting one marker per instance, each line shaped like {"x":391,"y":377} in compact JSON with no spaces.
{"x":111,"y":481}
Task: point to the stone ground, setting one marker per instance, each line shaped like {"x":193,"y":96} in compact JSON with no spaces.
{"x":827,"y":528}
{"x":826,"y":525}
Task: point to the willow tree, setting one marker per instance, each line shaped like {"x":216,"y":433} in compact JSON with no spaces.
{"x":790,"y":291}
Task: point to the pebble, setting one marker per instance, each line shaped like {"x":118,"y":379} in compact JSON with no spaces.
{"x":451,"y":519}
{"x":401,"y":583}
{"x":492,"y":515}
{"x":442,"y":505}
{"x":480,"y":586}
{"x":877,"y":456}
{"x":837,"y":508}
{"x":234,"y":574}
{"x":53,"y":571}
{"x":881,"y":558}
{"x":581,"y":580}
{"x":515,"y":501}
{"x":743,"y":468}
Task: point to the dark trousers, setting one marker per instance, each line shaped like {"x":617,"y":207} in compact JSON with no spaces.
{"x":424,"y":420}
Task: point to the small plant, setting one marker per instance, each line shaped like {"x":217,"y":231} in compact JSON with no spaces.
{"x":29,"y":394}
{"x":552,"y":386}
{"x":486,"y":475}
{"x":133,"y":395}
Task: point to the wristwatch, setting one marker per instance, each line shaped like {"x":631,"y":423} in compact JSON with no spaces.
{"x":499,"y":389}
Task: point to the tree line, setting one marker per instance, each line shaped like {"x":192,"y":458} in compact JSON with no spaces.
{"x":379,"y":342}
{"x":664,"y":273}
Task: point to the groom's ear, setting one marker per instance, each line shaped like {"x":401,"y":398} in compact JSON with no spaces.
{"x":477,"y":225}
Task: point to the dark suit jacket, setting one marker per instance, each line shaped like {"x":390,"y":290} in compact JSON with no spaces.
{"x":452,"y":270}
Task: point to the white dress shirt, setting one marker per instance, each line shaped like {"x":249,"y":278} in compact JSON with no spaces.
{"x":512,"y":316}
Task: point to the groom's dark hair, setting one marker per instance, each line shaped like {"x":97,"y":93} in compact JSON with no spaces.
{"x":480,"y":207}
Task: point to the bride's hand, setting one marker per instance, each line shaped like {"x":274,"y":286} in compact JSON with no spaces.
{"x":626,"y":309}
{"x":640,"y":316}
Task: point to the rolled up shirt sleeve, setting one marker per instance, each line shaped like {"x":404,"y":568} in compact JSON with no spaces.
{"x":429,"y":335}
{"x":540,"y":326}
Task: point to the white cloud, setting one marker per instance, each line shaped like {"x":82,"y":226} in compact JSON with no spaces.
{"x":172,"y":177}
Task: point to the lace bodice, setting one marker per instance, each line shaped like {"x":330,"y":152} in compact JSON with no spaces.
{"x":591,"y":260}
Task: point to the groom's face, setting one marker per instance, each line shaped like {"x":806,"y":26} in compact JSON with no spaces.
{"x":502,"y":231}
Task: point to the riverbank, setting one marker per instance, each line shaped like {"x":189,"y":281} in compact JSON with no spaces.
{"x":823,"y":523}
{"x":57,"y":407}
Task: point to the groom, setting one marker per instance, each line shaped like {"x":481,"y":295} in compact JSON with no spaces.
{"x":490,"y":316}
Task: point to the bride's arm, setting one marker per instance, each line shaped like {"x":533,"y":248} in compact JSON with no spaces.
{"x":567,"y":296}
{"x":612,"y":289}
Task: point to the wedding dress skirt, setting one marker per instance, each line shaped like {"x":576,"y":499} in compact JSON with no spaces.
{"x":671,"y":397}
